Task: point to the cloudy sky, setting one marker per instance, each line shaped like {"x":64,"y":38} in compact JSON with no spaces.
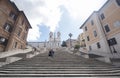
{"x":65,"y":16}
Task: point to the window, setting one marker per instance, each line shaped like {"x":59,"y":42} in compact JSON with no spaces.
{"x":98,"y":45}
{"x":90,"y":48}
{"x":19,"y":32}
{"x":50,"y":36}
{"x":112,"y":41}
{"x":12,"y":15}
{"x":117,"y":23}
{"x":102,"y":16}
{"x":95,"y":33}
{"x":118,"y":2}
{"x":3,"y":41}
{"x":8,"y":27}
{"x":85,"y":28}
{"x":92,"y":23}
{"x":88,"y":39}
{"x":15,"y":46}
{"x":107,"y":29}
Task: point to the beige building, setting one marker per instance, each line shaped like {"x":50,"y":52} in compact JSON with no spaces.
{"x":71,"y":42}
{"x":102,"y":30}
{"x":14,"y":26}
{"x":81,"y":40}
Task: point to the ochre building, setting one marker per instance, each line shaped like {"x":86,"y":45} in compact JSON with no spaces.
{"x":102,"y":30}
{"x":14,"y":27}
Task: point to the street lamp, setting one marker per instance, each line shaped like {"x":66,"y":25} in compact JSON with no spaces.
{"x":70,"y":35}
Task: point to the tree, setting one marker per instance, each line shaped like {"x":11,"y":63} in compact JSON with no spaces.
{"x":64,"y":44}
{"x":77,"y":47}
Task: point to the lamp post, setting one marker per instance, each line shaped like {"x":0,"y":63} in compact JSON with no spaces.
{"x":70,"y":35}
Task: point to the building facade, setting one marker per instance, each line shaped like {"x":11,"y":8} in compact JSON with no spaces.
{"x":102,"y":30}
{"x":71,"y":43}
{"x":54,"y":42}
{"x":14,"y":26}
{"x":81,"y":40}
{"x":37,"y":44}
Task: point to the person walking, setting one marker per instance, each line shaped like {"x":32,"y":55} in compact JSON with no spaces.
{"x":51,"y":53}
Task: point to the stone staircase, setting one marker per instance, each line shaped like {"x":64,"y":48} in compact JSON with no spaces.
{"x":63,"y":64}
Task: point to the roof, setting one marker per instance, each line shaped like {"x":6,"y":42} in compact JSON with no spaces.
{"x":26,"y":19}
{"x":14,"y":6}
{"x":88,"y":19}
{"x":104,"y":5}
{"x":71,"y":40}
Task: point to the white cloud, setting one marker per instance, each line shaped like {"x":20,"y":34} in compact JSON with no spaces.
{"x":48,"y":12}
{"x":40,"y":12}
{"x":50,"y":16}
{"x":82,"y":8}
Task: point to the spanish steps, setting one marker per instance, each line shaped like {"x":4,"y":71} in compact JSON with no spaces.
{"x":63,"y":64}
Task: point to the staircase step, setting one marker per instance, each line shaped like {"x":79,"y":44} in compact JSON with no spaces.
{"x":56,"y":65}
{"x":60,"y":75}
{"x":63,"y":69}
{"x":58,"y":72}
{"x":67,"y":67}
{"x":62,"y":65}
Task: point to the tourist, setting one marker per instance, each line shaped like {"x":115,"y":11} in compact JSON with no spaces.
{"x":51,"y":53}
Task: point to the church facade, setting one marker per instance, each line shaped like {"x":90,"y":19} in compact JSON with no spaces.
{"x":54,"y":42}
